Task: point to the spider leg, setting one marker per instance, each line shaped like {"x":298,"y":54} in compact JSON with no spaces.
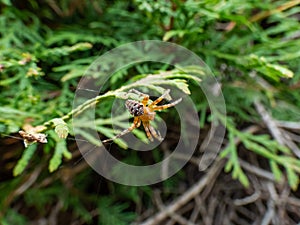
{"x":160,"y":98}
{"x":147,"y":128}
{"x":161,"y":107}
{"x":136,"y":124}
{"x":145,"y":97}
{"x":154,"y":133}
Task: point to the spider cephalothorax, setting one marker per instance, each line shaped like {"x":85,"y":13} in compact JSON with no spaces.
{"x":144,"y":113}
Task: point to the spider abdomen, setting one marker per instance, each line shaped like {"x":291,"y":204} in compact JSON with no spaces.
{"x":134,"y":107}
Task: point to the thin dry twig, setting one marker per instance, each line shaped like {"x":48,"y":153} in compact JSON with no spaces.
{"x":288,"y":124}
{"x":256,"y":170}
{"x":279,"y":134}
{"x":53,"y":217}
{"x":29,"y":181}
{"x":269,"y":122}
{"x":198,"y":208}
{"x":174,"y":216}
{"x":247,"y":200}
{"x":270,"y":214}
{"x":187,"y":196}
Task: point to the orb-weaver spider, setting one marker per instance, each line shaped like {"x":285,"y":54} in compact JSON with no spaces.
{"x":144,"y":113}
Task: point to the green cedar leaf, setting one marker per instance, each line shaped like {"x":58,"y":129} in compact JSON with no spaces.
{"x":23,"y":162}
{"x":275,"y":170}
{"x":293,"y":178}
{"x":59,"y":152}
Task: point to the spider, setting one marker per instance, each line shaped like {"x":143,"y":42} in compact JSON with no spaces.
{"x":144,"y":113}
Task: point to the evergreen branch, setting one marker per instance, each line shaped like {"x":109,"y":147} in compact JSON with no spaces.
{"x":150,"y":80}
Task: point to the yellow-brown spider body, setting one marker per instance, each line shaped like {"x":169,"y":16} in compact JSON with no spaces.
{"x":144,"y":113}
